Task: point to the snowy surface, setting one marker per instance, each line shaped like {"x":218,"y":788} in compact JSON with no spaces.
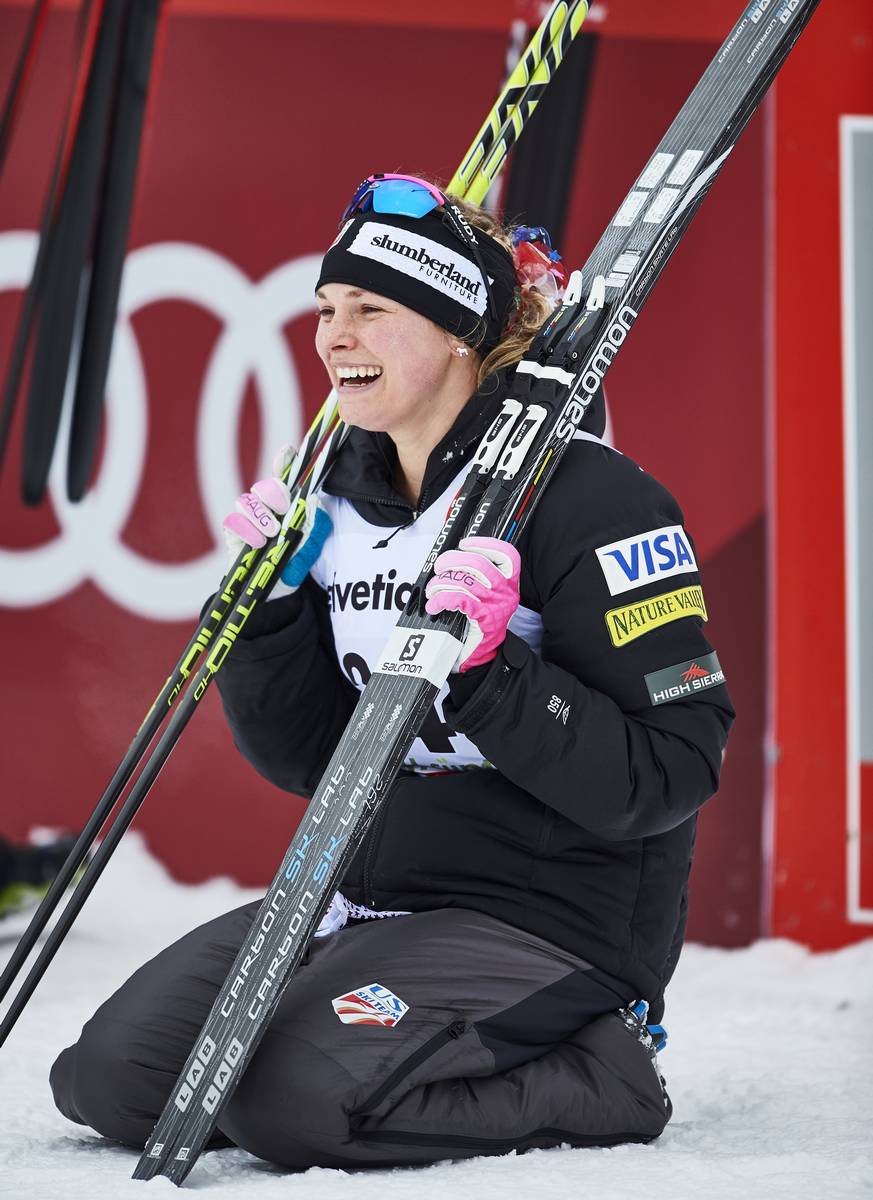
{"x":770,"y":1068}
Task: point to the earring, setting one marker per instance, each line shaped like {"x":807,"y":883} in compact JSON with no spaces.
{"x":461,"y":351}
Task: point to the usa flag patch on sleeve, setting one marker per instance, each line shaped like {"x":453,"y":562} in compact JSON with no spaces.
{"x":370,"y":1005}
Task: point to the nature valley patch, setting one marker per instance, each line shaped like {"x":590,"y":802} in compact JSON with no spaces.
{"x":633,"y":620}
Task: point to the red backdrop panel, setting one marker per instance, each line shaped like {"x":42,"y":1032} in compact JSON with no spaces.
{"x":260,"y":129}
{"x":808,"y":632}
{"x":692,"y":20}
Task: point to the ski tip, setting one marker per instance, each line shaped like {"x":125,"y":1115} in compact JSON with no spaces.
{"x":150,"y":1166}
{"x":146,"y":1168}
{"x":152,"y":1161}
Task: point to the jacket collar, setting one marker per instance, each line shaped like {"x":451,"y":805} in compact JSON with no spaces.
{"x":364,"y":468}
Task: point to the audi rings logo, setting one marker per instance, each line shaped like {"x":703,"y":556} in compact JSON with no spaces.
{"x":89,"y":545}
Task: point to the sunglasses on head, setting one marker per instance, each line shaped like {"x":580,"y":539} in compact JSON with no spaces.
{"x":409,"y":196}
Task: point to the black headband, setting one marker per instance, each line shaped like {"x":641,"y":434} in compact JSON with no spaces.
{"x":421,"y":263}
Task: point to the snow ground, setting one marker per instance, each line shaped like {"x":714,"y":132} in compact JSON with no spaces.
{"x":770,"y":1068}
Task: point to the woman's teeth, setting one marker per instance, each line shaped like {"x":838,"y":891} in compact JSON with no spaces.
{"x":357,"y":376}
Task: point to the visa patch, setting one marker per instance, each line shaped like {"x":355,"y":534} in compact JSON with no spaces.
{"x":646,"y":558}
{"x":633,"y":620}
{"x":370,"y":1005}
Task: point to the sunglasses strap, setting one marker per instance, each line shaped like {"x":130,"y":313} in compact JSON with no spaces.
{"x":462,"y":228}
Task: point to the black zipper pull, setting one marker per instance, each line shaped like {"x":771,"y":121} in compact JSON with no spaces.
{"x":381,"y":545}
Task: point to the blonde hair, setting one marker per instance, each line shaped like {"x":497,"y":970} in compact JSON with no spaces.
{"x":533,"y":306}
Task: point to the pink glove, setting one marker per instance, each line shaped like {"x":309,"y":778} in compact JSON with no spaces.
{"x":479,"y":579}
{"x":255,"y":516}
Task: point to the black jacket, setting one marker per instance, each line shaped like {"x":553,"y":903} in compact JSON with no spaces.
{"x":584,"y":832}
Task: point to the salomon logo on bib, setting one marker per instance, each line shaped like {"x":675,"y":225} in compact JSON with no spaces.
{"x":646,"y":558}
{"x":411,"y":648}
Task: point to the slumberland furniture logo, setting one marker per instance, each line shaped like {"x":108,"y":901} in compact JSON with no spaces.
{"x":423,"y":259}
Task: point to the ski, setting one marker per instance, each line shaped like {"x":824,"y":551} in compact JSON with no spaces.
{"x":514,"y":463}
{"x":517,"y":101}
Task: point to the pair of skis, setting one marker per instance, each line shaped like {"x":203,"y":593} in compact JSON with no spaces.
{"x":554,"y":386}
{"x":252,"y":576}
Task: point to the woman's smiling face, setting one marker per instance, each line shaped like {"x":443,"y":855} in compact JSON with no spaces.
{"x":386,"y":362}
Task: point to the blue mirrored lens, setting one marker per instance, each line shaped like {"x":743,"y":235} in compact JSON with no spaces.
{"x":401,"y":197}
{"x":360,"y":202}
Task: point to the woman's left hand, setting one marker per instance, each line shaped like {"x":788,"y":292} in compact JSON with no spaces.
{"x":479,"y":579}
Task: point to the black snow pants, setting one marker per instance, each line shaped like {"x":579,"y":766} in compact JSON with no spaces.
{"x":484,"y":1039}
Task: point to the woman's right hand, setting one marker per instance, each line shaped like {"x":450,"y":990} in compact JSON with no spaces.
{"x":256,"y":513}
{"x":256,"y":517}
